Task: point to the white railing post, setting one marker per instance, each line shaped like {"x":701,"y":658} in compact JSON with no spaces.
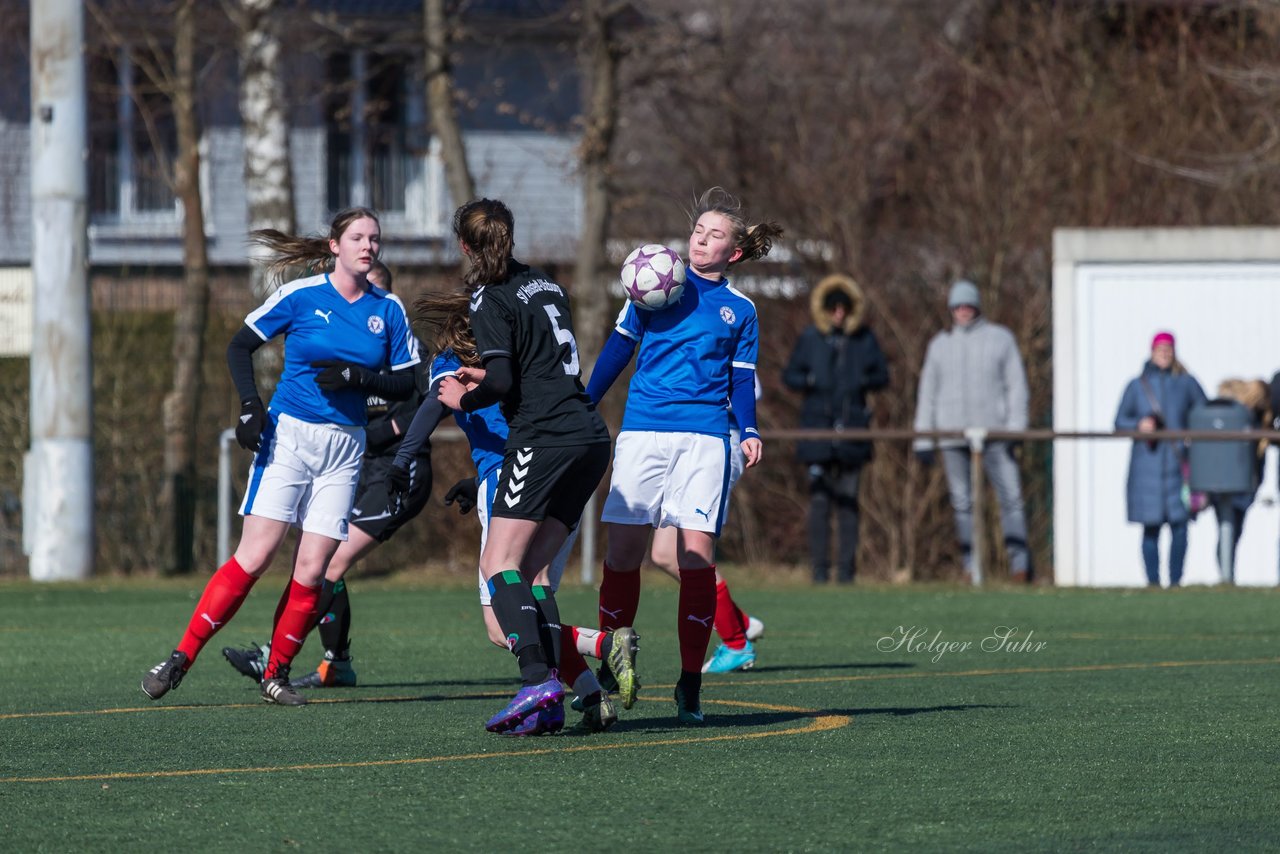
{"x":977,"y":438}
{"x":225,"y":440}
{"x":590,"y":520}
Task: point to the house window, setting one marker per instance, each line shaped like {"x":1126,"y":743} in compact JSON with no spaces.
{"x":132,"y":145}
{"x":378,"y":148}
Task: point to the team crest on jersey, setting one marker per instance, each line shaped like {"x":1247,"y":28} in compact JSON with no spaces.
{"x":375,"y":324}
{"x":727,"y":315}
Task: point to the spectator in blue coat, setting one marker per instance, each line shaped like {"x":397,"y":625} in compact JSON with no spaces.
{"x":1159,"y":399}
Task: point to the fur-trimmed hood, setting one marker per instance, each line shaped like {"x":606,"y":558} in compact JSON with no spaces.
{"x":837,"y":281}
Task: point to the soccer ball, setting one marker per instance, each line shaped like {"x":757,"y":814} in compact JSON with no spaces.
{"x":653,"y":277}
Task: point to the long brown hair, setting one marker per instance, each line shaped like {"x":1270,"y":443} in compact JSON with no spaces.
{"x":448,"y":323}
{"x":487,"y":228}
{"x":755,"y":241}
{"x":312,"y":254}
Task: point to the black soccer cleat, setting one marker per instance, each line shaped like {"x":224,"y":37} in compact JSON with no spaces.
{"x":278,"y":690}
{"x":251,"y":662}
{"x":166,"y":675}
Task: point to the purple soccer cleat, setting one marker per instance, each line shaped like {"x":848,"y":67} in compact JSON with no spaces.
{"x":552,"y":718}
{"x":527,"y":701}
{"x":546,"y":721}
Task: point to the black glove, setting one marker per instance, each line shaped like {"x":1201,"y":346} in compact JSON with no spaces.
{"x":338,"y":375}
{"x":398,"y":483}
{"x":252,"y":421}
{"x":464,"y":492}
{"x":926,"y":456}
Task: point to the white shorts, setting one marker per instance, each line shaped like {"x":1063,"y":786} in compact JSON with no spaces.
{"x":484,"y":502}
{"x":305,"y":474}
{"x":677,"y":480}
{"x":737,"y":465}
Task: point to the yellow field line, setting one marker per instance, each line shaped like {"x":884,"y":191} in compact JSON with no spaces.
{"x":737,"y":680}
{"x":1080,"y":668}
{"x":820,"y":723}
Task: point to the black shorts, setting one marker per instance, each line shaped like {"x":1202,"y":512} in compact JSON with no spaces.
{"x":371,"y":512}
{"x":539,"y":482}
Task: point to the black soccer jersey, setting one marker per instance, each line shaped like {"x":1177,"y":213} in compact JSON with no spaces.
{"x":527,"y":318}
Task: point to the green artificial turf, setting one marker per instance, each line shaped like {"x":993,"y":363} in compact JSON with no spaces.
{"x":1144,"y":721}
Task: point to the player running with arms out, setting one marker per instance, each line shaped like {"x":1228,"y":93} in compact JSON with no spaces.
{"x":374,"y":520}
{"x":446,"y":315}
{"x":556,"y":452}
{"x":671,"y":465}
{"x":341,"y":332}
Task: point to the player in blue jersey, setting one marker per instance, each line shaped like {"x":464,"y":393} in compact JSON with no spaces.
{"x":556,"y":451}
{"x":373,"y":522}
{"x":486,"y":431}
{"x":671,"y":465}
{"x":737,"y":629}
{"x":341,"y":332}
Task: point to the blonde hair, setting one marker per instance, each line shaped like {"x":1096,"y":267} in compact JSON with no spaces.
{"x":755,"y":241}
{"x":487,"y":228}
{"x":312,"y":254}
{"x":448,"y":321}
{"x":1254,"y":394}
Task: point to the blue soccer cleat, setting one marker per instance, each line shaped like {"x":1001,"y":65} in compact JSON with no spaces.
{"x":527,"y":701}
{"x":727,"y":660}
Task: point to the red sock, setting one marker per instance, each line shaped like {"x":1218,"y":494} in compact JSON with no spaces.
{"x":222,"y":597}
{"x":619,"y":598}
{"x":284,"y":600}
{"x":572,"y":664}
{"x":696,"y":611}
{"x":731,"y":621}
{"x":291,"y":629}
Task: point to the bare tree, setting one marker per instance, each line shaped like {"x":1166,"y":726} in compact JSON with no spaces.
{"x":171,"y":69}
{"x":181,"y":405}
{"x":599,"y":55}
{"x":268,"y":178}
{"x":440,"y":106}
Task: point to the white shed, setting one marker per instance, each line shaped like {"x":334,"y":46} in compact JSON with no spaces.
{"x":1218,"y":291}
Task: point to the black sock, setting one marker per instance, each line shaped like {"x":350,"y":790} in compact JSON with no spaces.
{"x":606,"y":646}
{"x":691,"y":684}
{"x":517,"y":613}
{"x":334,"y":609}
{"x":548,"y":622}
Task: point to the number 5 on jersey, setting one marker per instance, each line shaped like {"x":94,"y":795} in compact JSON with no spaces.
{"x":564,"y":336}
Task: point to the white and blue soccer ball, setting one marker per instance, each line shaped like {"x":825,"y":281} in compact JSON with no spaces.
{"x":653,"y":276}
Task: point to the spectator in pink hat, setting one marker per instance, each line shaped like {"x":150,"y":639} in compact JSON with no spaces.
{"x":1159,"y":399}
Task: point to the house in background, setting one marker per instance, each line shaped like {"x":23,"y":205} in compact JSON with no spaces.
{"x":359,"y":135}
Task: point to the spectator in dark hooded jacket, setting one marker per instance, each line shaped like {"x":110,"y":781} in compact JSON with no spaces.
{"x":835,"y":363}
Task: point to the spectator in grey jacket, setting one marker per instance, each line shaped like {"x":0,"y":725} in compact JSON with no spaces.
{"x":973,"y":377}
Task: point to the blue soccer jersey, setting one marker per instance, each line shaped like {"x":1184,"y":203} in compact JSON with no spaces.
{"x":319,"y":324}
{"x":485,"y":429}
{"x":687,"y":352}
